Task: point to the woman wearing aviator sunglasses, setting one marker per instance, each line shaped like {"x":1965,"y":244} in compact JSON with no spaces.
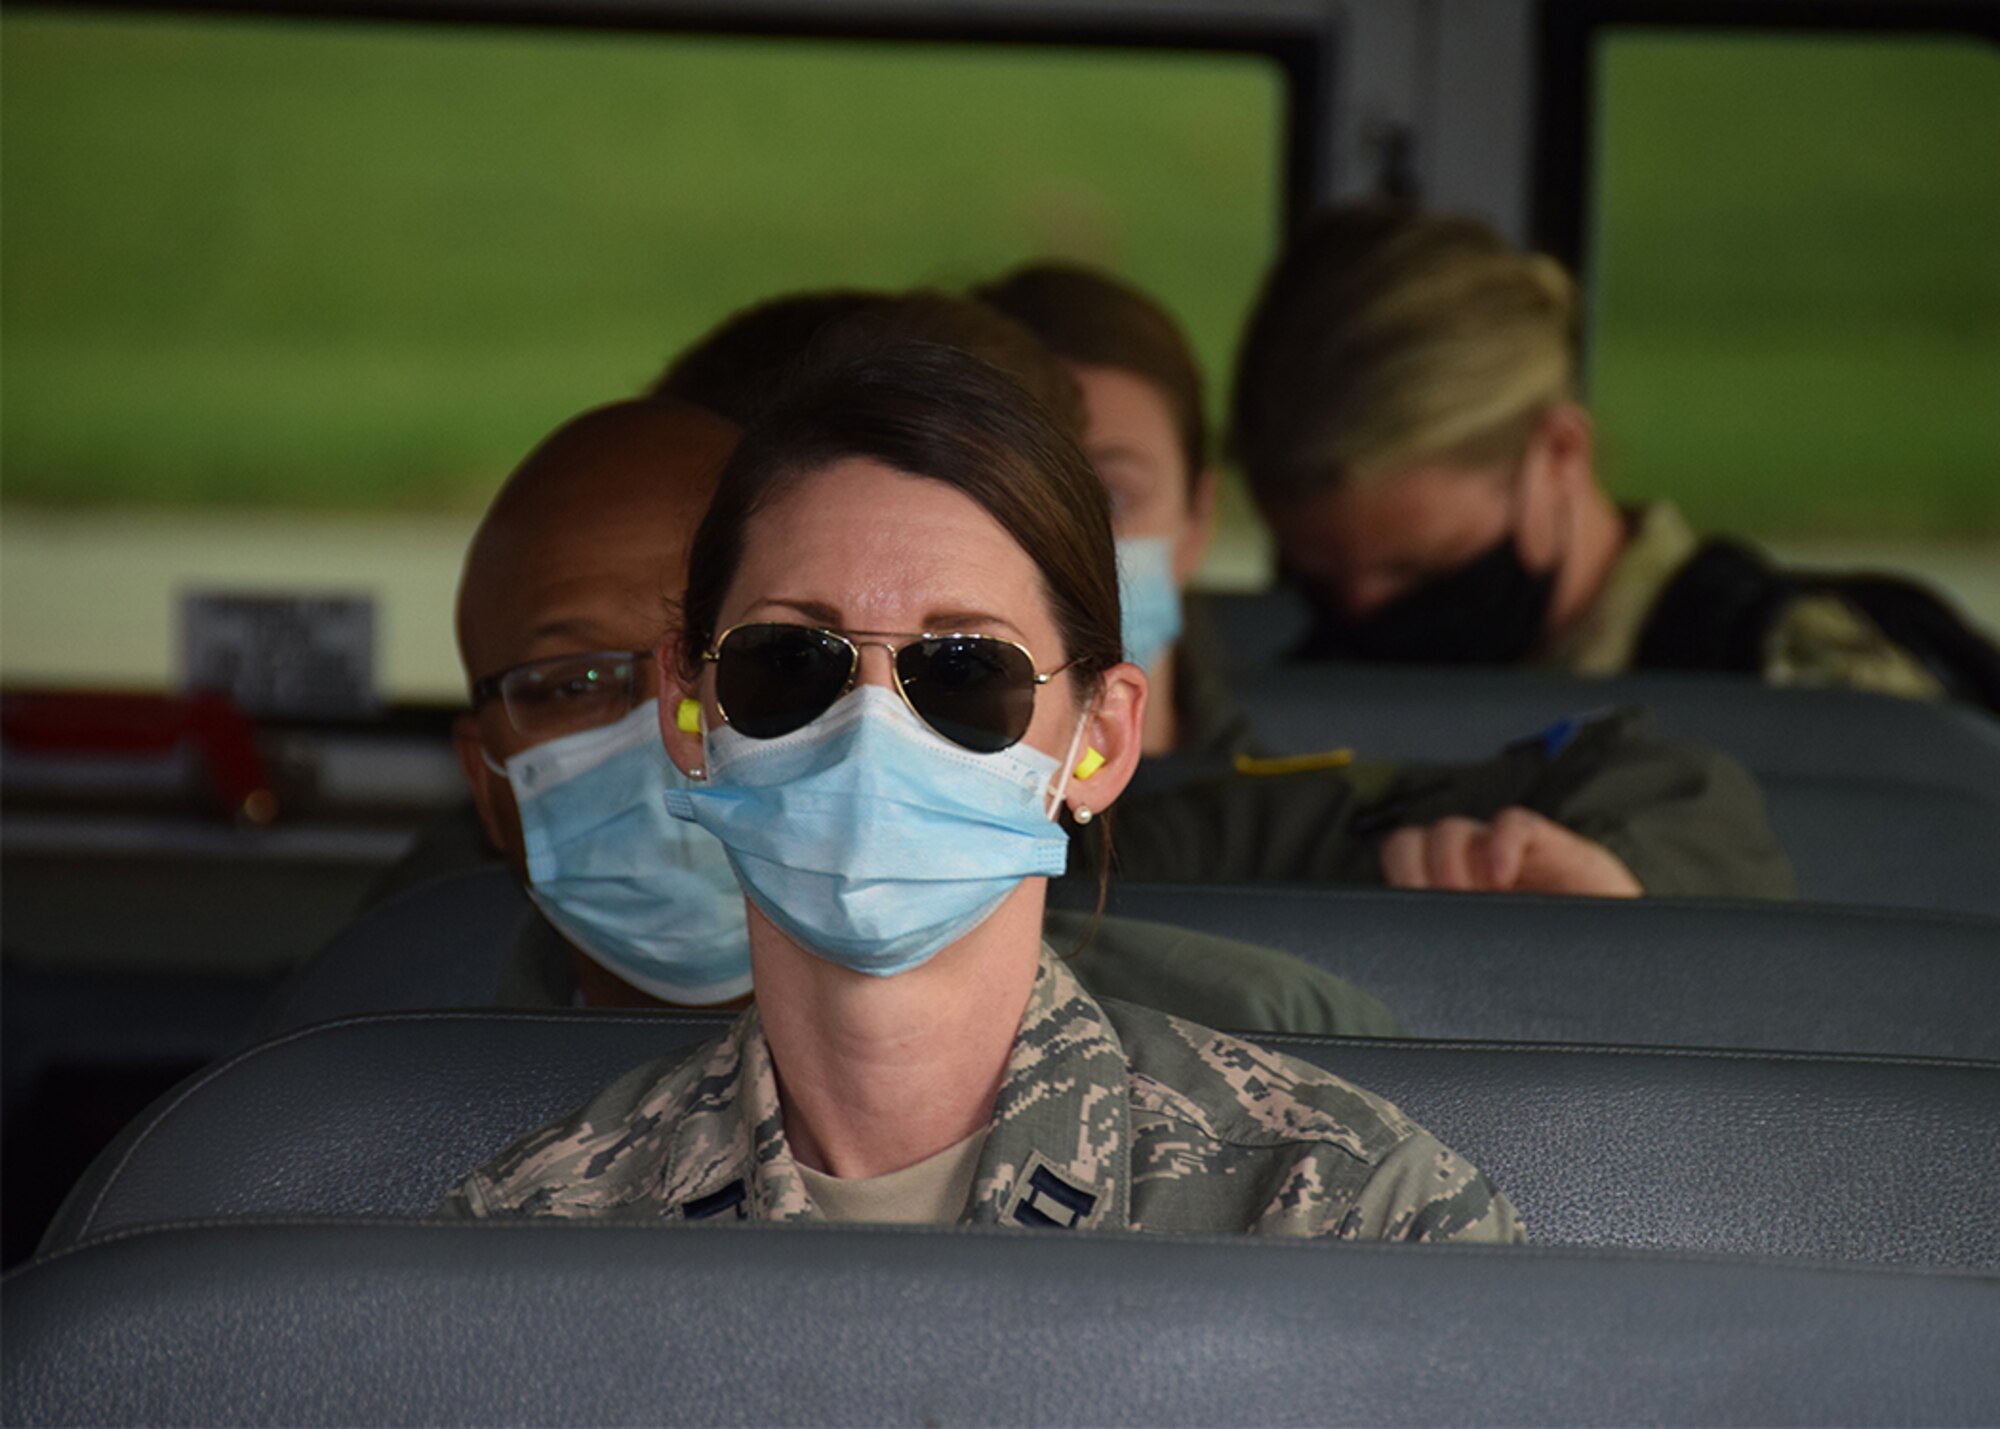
{"x":900,"y":676}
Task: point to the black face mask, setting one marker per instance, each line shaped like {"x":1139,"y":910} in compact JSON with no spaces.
{"x":1489,"y":611}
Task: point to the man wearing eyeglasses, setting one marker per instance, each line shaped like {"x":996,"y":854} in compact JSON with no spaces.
{"x":566,"y":585}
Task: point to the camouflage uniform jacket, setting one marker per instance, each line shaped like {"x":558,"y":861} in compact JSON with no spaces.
{"x":1109,"y":1116}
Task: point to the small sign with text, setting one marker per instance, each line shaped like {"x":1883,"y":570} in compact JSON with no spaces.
{"x":299,"y":655}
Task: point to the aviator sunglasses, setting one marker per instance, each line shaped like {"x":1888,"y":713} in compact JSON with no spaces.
{"x":978,"y":691}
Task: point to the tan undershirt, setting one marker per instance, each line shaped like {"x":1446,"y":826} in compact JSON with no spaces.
{"x":932,"y":1192}
{"x":1606,"y":638}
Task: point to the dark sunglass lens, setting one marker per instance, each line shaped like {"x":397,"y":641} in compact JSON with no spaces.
{"x":773,"y":679}
{"x":973,"y":690}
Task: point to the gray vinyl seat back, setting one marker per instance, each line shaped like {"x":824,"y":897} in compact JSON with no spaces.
{"x":1453,"y":714}
{"x":1851,"y":839}
{"x":439,"y":943}
{"x":572,"y":1324}
{"x":1779,"y":977}
{"x":1869,"y":841}
{"x":1655,"y":972}
{"x":1848,"y":1158}
{"x":1253,"y":629}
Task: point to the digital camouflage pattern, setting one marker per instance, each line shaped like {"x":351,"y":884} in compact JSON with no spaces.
{"x":1109,"y":1116}
{"x":1822,"y":641}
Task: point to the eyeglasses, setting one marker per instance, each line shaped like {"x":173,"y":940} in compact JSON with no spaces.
{"x":566,"y":694}
{"x":978,"y":691}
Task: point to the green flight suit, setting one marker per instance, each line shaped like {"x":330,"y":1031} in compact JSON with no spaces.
{"x":1686,"y":819}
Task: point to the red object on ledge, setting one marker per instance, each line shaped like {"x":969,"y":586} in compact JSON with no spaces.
{"x":59,"y":723}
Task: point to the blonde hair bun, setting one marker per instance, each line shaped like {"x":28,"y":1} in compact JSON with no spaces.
{"x":1385,"y":336}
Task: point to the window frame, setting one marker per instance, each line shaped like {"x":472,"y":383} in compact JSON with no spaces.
{"x":1300,"y":37}
{"x":1562,"y":178}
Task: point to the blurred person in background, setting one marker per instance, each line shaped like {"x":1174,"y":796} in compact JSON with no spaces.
{"x":739,"y":366}
{"x":563,"y":594}
{"x":1406,"y":413}
{"x":1146,"y":434}
{"x":1596,"y":805}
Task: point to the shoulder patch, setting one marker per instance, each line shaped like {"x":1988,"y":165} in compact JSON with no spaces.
{"x":1253,"y":767}
{"x":733,"y":1197}
{"x":1046,"y":1200}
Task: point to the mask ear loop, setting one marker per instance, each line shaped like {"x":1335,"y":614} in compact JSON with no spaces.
{"x":690,"y":718}
{"x":1068,"y":767}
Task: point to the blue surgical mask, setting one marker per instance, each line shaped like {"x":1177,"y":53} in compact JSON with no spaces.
{"x":647,"y":897}
{"x":869,"y":839}
{"x":1148,"y":596}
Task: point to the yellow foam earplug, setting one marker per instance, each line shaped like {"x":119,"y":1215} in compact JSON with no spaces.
{"x":687,"y":717}
{"x":1091,"y":762}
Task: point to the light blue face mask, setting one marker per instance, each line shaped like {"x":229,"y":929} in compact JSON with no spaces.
{"x":869,"y":839}
{"x":646,"y":896}
{"x":1148,"y":596}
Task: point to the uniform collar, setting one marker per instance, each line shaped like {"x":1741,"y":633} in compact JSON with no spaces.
{"x":728,"y":1159}
{"x":1059,"y":1148}
{"x":1057,"y":1152}
{"x":1604,"y":641}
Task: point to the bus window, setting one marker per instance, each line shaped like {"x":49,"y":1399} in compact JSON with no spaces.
{"x":286,"y":299}
{"x":1795,"y":305}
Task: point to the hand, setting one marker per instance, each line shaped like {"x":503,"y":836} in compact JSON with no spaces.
{"x":1519,"y":851}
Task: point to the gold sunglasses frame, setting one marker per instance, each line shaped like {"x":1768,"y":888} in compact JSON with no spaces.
{"x":892,"y":641}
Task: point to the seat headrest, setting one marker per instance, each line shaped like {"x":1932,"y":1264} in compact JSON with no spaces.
{"x":581,"y":1324}
{"x":1844,"y":1158}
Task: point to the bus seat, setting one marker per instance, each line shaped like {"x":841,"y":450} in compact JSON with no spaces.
{"x":1895,"y":845}
{"x":1250,"y":630}
{"x":1775,"y":976}
{"x":559,"y":1324}
{"x":1446,"y":715}
{"x":1851,"y":840}
{"x":438,"y":943}
{"x":1652,"y":972}
{"x":1839,"y":1158}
